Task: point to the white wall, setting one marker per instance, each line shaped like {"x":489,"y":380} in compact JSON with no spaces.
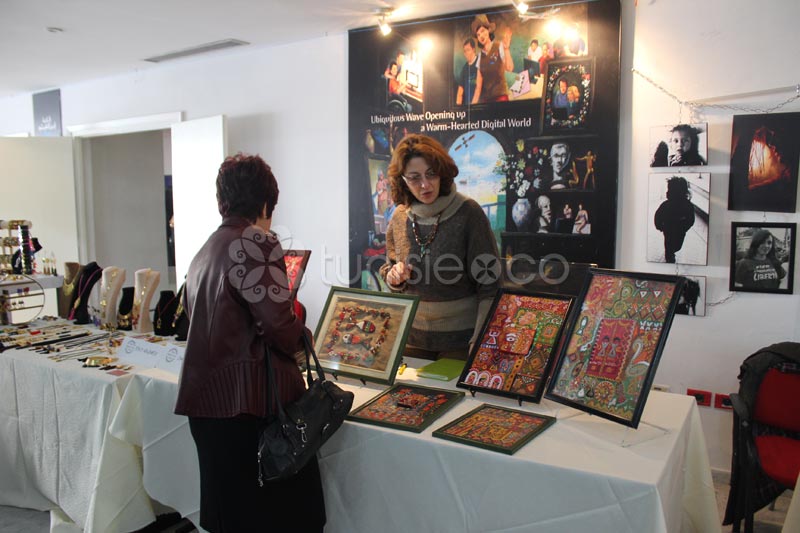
{"x":288,"y":103}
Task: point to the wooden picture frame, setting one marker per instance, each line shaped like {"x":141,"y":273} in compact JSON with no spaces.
{"x":772,"y":273}
{"x":495,"y":428}
{"x":613,"y":344}
{"x":407,"y":407}
{"x":516,"y":348}
{"x":296,"y":262}
{"x":558,"y":115}
{"x":362,"y":334}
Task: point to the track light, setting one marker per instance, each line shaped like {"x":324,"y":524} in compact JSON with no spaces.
{"x":521,"y":6}
{"x":383,"y":13}
{"x":385,"y":28}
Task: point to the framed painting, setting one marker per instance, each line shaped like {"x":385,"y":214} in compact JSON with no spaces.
{"x":362,"y":334}
{"x":679,"y":145}
{"x":678,"y":217}
{"x":613,"y":343}
{"x":499,"y":429}
{"x":407,"y":407}
{"x":296,"y":262}
{"x":568,"y":94}
{"x":762,"y":257}
{"x":764,"y":160}
{"x":516,"y":347}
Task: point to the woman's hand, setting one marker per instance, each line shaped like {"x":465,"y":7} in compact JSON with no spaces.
{"x":398,"y":274}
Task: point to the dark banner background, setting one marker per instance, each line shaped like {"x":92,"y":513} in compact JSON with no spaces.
{"x":515,"y":131}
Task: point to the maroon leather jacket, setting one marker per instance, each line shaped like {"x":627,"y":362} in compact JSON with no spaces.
{"x":236,"y":296}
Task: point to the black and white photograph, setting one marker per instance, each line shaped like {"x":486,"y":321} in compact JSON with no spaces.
{"x":764,"y":159}
{"x":678,"y":211}
{"x":679,"y":145}
{"x":762,"y":257}
{"x":692,"y":301}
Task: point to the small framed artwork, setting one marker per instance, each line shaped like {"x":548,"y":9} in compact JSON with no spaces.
{"x":692,"y":301}
{"x":516,"y":347}
{"x":407,"y":407}
{"x":679,"y":145}
{"x":677,"y":226}
{"x":296,"y":262}
{"x":380,"y":192}
{"x":499,"y":429}
{"x":764,"y":159}
{"x":613,"y":344}
{"x":762,"y":257}
{"x":362,"y":334}
{"x":568,"y":94}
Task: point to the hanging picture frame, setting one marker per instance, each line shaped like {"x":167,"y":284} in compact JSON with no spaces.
{"x":613,"y":343}
{"x":516,"y":347}
{"x":495,"y":428}
{"x":362,"y":333}
{"x":692,"y":301}
{"x":568,"y":94}
{"x":407,"y":407}
{"x":296,"y":263}
{"x":678,"y":145}
{"x":678,"y":218}
{"x":762,"y":257}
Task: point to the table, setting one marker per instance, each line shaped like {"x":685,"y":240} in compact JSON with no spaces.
{"x":792,"y":522}
{"x":55,"y":451}
{"x":582,"y":474}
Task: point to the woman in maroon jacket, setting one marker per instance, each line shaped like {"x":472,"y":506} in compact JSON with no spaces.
{"x":236,"y":296}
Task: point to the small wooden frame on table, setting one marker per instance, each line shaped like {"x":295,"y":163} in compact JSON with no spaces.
{"x":407,"y":407}
{"x":614,"y":342}
{"x":494,"y":428}
{"x":296,"y":263}
{"x":362,"y":334}
{"x":517,"y":345}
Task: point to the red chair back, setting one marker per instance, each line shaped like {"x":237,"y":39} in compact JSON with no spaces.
{"x":778,"y":400}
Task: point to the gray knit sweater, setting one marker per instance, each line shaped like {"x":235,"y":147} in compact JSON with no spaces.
{"x":458,"y":276}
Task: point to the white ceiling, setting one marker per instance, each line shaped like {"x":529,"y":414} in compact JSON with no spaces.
{"x":109,"y":37}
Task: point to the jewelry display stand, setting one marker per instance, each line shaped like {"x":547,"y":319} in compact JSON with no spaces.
{"x":72,"y":272}
{"x":79,"y":305}
{"x":111,"y":285}
{"x":125,"y":309}
{"x":164,"y":315}
{"x":145,"y":284}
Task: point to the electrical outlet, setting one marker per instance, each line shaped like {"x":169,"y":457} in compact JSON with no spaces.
{"x":722,"y":401}
{"x":660,"y":387}
{"x":703,"y":397}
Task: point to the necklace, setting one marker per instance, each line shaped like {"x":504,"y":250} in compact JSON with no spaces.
{"x":160,"y":311}
{"x":106,"y":290}
{"x":137,"y":302}
{"x":424,"y":245}
{"x":68,"y":287}
{"x":179,"y":309}
{"x":81,"y":289}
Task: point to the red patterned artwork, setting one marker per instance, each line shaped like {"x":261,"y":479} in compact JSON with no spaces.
{"x":409,"y":407}
{"x":296,"y":261}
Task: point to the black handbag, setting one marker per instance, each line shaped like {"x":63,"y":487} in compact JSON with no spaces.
{"x":288,"y":441}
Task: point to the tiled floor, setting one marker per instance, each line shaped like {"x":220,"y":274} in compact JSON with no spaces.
{"x":14,"y":520}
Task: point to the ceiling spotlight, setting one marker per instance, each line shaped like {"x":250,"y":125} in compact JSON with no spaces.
{"x":385,"y":28}
{"x":383,"y":13}
{"x":521,"y":6}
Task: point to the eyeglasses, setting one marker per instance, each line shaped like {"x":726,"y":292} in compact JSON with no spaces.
{"x":416,"y":179}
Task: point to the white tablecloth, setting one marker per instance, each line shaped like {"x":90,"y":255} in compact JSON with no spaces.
{"x":582,"y":474}
{"x":792,"y":522}
{"x":55,"y":450}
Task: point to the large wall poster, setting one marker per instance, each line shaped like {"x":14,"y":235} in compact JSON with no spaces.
{"x":536,"y":141}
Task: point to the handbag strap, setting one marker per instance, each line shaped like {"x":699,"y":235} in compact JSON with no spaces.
{"x":310,"y":353}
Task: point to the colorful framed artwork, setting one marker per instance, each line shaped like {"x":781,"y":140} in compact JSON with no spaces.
{"x":613,"y":343}
{"x":762,"y":257}
{"x":296,"y":262}
{"x":679,"y":145}
{"x":764,"y":160}
{"x":362,"y":334}
{"x":568,"y":94}
{"x":499,"y":429}
{"x":678,"y":216}
{"x":516,"y":347}
{"x":407,"y":407}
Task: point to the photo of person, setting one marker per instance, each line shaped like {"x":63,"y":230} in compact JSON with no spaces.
{"x":495,"y":60}
{"x":469,"y":73}
{"x":382,"y":204}
{"x":692,"y":300}
{"x":568,"y":92}
{"x":682,"y":145}
{"x":764,"y":160}
{"x":678,"y":218}
{"x":762,"y":257}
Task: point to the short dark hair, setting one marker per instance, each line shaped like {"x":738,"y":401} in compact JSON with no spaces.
{"x":535,"y":41}
{"x":470,"y":41}
{"x":431,"y":150}
{"x":245,"y":183}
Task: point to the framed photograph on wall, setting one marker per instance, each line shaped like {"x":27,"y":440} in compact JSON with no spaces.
{"x":677,"y":222}
{"x":679,"y":145}
{"x":296,"y":262}
{"x":613,"y":344}
{"x":692,"y":301}
{"x":499,"y":429}
{"x":762,"y":257}
{"x":515,"y":350}
{"x":764,"y":159}
{"x":407,"y":407}
{"x":362,"y":334}
{"x":568,"y":94}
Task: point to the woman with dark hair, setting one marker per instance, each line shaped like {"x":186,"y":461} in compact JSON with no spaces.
{"x":440,"y":247}
{"x":236,"y":295}
{"x":682,"y":150}
{"x":760,"y":268}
